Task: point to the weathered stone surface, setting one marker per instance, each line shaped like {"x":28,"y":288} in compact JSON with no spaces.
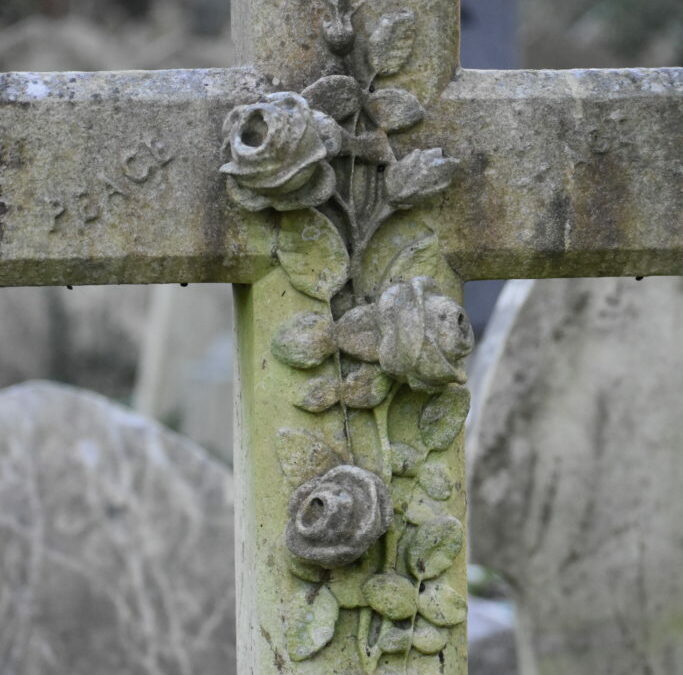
{"x":291,"y":45}
{"x":563,"y":173}
{"x":553,"y":178}
{"x":576,"y":471}
{"x":113,"y":178}
{"x":116,"y":551}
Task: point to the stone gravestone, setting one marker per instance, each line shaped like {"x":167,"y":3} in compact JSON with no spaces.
{"x":116,"y":552}
{"x":517,"y":174}
{"x":576,"y":471}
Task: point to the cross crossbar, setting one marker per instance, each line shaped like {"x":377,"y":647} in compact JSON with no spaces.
{"x":111,"y":177}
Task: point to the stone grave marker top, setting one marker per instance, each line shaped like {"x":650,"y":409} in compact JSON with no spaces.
{"x":350,"y":334}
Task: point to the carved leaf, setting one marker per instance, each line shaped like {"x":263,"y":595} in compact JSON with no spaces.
{"x":405,"y":459}
{"x":441,"y":605}
{"x":318,"y":394}
{"x":419,"y":175}
{"x":394,"y":109}
{"x":392,"y":41}
{"x":311,"y":619}
{"x":357,"y":333}
{"x":365,"y":387}
{"x":394,"y":640}
{"x":313,"y":254}
{"x":420,"y":258}
{"x":391,"y":595}
{"x":303,"y":455}
{"x":444,"y":416}
{"x":302,"y":569}
{"x":435,"y":546}
{"x":422,"y":508}
{"x":436,"y":481}
{"x":336,"y":95}
{"x":304,"y":341}
{"x":346,"y":583}
{"x":429,"y":639}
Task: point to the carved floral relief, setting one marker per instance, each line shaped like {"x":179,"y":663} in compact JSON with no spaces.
{"x":372,"y":534}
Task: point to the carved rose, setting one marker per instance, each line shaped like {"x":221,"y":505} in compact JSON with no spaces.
{"x":424,"y":335}
{"x":278,"y":154}
{"x":337,"y":517}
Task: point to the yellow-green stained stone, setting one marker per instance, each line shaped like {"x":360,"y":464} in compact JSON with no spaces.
{"x":391,"y":595}
{"x":441,"y":605}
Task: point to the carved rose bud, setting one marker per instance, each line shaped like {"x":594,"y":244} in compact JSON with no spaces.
{"x":278,"y":153}
{"x":424,"y":335}
{"x":419,"y":175}
{"x":335,"y":518}
{"x":337,"y":27}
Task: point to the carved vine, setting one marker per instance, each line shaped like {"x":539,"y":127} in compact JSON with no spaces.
{"x":369,"y":531}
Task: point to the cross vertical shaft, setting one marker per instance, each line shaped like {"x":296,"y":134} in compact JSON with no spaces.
{"x":284,"y":41}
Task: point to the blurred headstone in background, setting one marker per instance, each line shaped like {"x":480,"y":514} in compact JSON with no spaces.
{"x":114,"y":34}
{"x":186,"y":373}
{"x":117,"y":542}
{"x":210,"y":17}
{"x":88,"y":336}
{"x":602,"y":33}
{"x":575,"y":471}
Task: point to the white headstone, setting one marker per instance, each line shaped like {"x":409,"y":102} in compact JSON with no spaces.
{"x":577,"y":467}
{"x":117,"y":542}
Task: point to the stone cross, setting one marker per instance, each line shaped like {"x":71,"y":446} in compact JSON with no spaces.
{"x":347,"y":210}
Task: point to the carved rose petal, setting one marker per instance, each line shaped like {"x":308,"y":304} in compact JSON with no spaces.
{"x":263,"y":135}
{"x":311,"y":150}
{"x":247,"y":199}
{"x":337,"y":517}
{"x":449,"y":326}
{"x":433,"y":366}
{"x":317,"y":191}
{"x":425,"y":334}
{"x":401,"y":322}
{"x":358,"y":334}
{"x":329,"y":132}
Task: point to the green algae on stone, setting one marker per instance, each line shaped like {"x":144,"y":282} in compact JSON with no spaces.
{"x":391,"y":595}
{"x":435,"y":546}
{"x":441,"y":605}
{"x":311,"y":620}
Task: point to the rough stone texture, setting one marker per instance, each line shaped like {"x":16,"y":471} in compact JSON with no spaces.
{"x":89,"y":336}
{"x":185,"y":375}
{"x":116,"y":551}
{"x":576,"y":471}
{"x":335,"y":518}
{"x":564,"y":173}
{"x":555,"y":180}
{"x":137,"y":196}
{"x":283,"y":38}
